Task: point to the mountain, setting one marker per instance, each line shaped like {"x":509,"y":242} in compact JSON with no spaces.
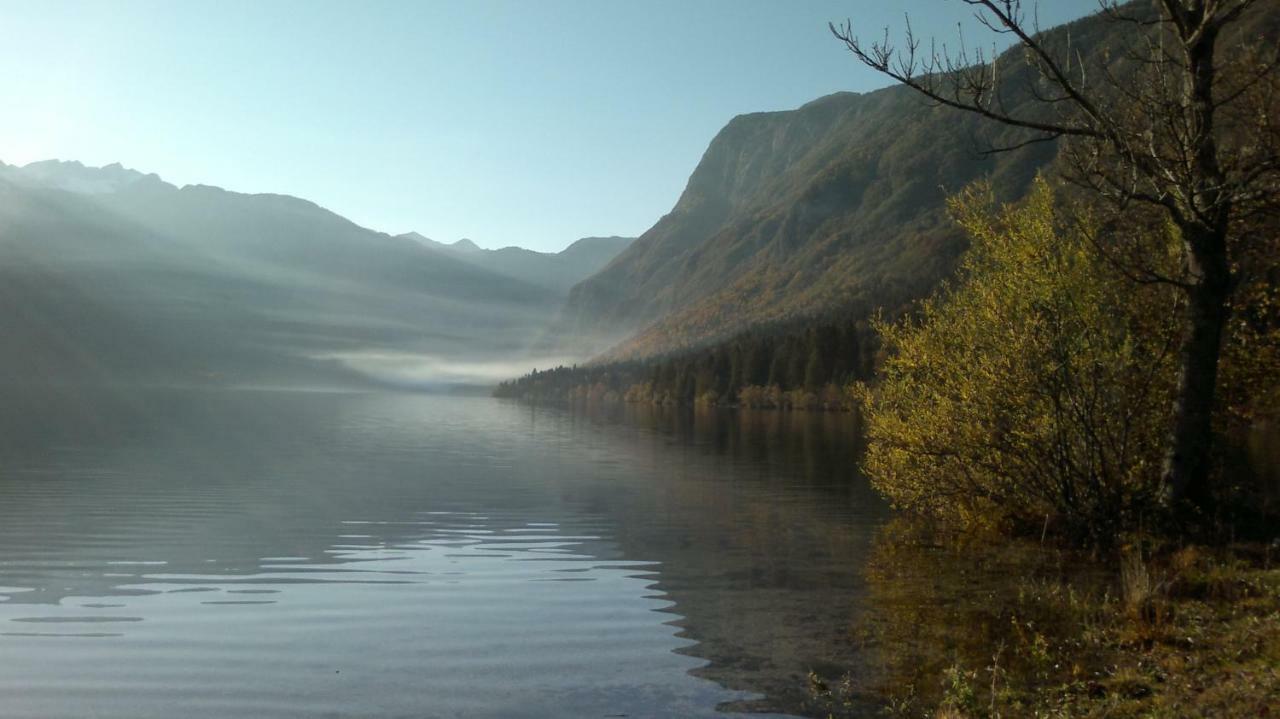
{"x":789,"y":214}
{"x":556,"y":271}
{"x":460,"y":248}
{"x":107,"y":274}
{"x":76,"y":177}
{"x":834,"y":208}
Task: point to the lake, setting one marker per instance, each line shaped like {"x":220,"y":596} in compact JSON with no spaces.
{"x":265,"y":554}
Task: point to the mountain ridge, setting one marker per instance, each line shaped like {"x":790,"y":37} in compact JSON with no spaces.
{"x":837,"y":206}
{"x":557,"y":271}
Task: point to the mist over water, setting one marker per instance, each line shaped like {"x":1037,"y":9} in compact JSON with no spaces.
{"x":411,"y":370}
{"x":286,"y":554}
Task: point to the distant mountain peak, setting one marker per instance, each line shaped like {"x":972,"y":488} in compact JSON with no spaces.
{"x":417,"y":237}
{"x":75,"y":176}
{"x":466,"y":245}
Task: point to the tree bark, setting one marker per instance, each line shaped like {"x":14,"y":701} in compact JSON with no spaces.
{"x":1190,"y":455}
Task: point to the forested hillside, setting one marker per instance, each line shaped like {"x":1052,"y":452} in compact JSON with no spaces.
{"x":805,"y":366}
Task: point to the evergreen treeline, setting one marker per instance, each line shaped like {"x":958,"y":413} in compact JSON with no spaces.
{"x":806,"y":366}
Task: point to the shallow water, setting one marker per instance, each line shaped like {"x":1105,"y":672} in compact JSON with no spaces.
{"x":267,"y":554}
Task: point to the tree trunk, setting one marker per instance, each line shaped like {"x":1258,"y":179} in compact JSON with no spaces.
{"x":1204,"y":220}
{"x":1190,"y":454}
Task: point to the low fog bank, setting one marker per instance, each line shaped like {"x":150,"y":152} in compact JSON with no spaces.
{"x":426,"y":372}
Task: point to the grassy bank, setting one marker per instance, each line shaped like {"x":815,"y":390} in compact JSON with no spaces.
{"x":970,"y":629}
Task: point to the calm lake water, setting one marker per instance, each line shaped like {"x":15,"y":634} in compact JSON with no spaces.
{"x":273,"y":554}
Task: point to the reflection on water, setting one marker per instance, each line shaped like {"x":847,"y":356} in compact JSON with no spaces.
{"x":292,"y":554}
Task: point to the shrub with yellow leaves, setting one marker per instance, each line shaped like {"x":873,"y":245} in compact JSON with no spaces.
{"x":1035,"y":389}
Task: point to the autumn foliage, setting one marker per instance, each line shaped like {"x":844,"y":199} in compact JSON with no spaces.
{"x":1035,"y":389}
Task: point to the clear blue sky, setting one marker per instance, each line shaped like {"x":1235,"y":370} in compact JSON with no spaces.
{"x":526,"y":123}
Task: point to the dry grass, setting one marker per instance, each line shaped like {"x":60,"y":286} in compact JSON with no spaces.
{"x":1011,"y":630}
{"x":1146,"y":603}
